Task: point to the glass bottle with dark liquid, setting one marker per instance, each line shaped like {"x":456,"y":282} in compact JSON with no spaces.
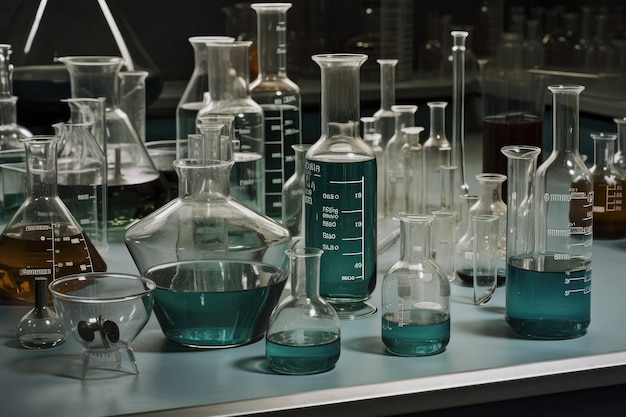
{"x":42,"y":239}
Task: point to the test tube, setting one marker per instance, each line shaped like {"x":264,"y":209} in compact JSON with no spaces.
{"x":485,"y":257}
{"x":444,"y":241}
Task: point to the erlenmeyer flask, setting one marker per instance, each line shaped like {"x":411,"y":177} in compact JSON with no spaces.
{"x":340,"y":195}
{"x":134,"y":186}
{"x":43,"y":238}
{"x":280,"y":99}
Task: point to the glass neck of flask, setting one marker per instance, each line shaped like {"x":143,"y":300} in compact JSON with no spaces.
{"x":621,"y":134}
{"x":437,"y":120}
{"x":95,"y":77}
{"x":490,"y":187}
{"x":405,"y":117}
{"x":229,"y":71}
{"x":300,"y":159}
{"x":41,"y":170}
{"x":415,"y":237}
{"x":305,"y":271}
{"x":206,"y":178}
{"x":6,"y":72}
{"x":387,"y":83}
{"x":340,"y":87}
{"x":604,"y":149}
{"x":565,"y":105}
{"x":8,"y":115}
{"x":272,"y":39}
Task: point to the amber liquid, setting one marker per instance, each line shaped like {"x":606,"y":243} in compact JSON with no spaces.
{"x":508,"y":129}
{"x":609,"y":211}
{"x":35,"y":250}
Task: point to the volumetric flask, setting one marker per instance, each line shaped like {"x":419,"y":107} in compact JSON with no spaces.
{"x":280,"y":99}
{"x":340,"y":195}
{"x":548,"y":291}
{"x":134,"y":186}
{"x":412,"y":159}
{"x":43,"y":238}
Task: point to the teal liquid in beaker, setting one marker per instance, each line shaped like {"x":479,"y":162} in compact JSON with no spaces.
{"x":340,"y":214}
{"x":549,"y":302}
{"x":318,"y":355}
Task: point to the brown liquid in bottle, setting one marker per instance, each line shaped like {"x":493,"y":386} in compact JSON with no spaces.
{"x":609,"y":212}
{"x":29,"y":251}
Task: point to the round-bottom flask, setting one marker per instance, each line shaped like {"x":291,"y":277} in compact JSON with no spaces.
{"x":415,"y":295}
{"x":303,"y":336}
{"x":41,"y":328}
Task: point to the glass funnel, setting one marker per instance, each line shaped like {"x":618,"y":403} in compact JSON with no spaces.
{"x":134,"y":186}
{"x":340,"y":194}
{"x":279,"y":97}
{"x":205,"y":222}
{"x":42,"y":238}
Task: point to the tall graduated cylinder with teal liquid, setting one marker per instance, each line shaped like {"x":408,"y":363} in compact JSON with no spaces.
{"x":340,"y":192}
{"x":548,"y":291}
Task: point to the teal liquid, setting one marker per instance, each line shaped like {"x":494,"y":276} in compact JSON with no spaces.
{"x":417,"y":332}
{"x":300,"y":352}
{"x":549,"y":304}
{"x":340,"y":212}
{"x":215,"y":319}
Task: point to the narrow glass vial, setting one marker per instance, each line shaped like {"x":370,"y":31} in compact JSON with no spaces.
{"x":280,"y":99}
{"x":385,"y":116}
{"x":415,"y":295}
{"x":458,"y":106}
{"x":303,"y":335}
{"x":395,"y":197}
{"x":193,"y":97}
{"x":437,"y":151}
{"x":41,"y":328}
{"x":414,"y":169}
{"x":230,"y":95}
{"x":489,"y":202}
{"x":340,"y":199}
{"x":609,"y":183}
{"x":293,"y":195}
{"x":548,"y":291}
{"x":373,"y":139}
{"x":620,"y":149}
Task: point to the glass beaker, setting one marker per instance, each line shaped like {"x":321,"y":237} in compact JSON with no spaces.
{"x":513,"y":113}
{"x":489,"y":202}
{"x":133,"y":99}
{"x":134,"y":186}
{"x":415,"y":294}
{"x":293,"y":195}
{"x":304,"y":334}
{"x":385,"y":116}
{"x":548,"y":291}
{"x":42,"y":238}
{"x":412,"y":160}
{"x":436,"y":150}
{"x":230,"y":95}
{"x":82,"y":180}
{"x":205,"y":222}
{"x":373,"y":139}
{"x":609,"y":184}
{"x":340,"y":199}
{"x":193,"y":98}
{"x":279,"y":98}
{"x":395,"y":197}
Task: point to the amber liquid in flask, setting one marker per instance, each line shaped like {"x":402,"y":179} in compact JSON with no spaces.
{"x":42,"y":239}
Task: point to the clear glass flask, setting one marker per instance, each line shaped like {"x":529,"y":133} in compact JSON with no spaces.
{"x":489,"y":202}
{"x":205,"y":222}
{"x":485,"y":260}
{"x":395,"y":198}
{"x":82,"y":179}
{"x":304,"y":334}
{"x":372,"y":137}
{"x":385,"y":116}
{"x":293,"y":195}
{"x":133,"y":99}
{"x":230,"y":95}
{"x":340,"y":199}
{"x":280,"y":99}
{"x":548,"y":291}
{"x":134,"y":186}
{"x":413,"y":162}
{"x":41,"y":328}
{"x":609,"y":184}
{"x":415,"y":294}
{"x":437,"y":152}
{"x":192,"y":99}
{"x":42,"y":232}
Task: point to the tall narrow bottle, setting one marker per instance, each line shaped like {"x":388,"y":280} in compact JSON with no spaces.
{"x":548,"y":291}
{"x":340,"y":194}
{"x":436,"y":151}
{"x":373,"y":139}
{"x":280,"y":99}
{"x":385,"y":116}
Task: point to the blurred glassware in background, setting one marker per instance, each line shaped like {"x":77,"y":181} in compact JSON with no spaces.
{"x":133,"y":99}
{"x":437,"y":153}
{"x":373,"y":139}
{"x":293,"y":195}
{"x":385,"y":116}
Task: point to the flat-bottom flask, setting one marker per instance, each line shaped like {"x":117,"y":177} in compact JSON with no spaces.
{"x":42,"y":238}
{"x":304,"y":335}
